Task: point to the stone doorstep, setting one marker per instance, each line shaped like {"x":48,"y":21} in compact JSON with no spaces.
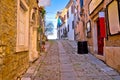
{"x":100,"y":57}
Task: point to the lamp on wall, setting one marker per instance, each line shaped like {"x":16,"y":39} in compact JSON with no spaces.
{"x":35,"y":9}
{"x":82,"y":12}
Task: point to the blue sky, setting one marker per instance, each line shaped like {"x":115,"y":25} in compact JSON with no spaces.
{"x":55,"y":5}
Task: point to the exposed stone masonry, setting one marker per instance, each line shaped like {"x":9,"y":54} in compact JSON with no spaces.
{"x":12,"y":63}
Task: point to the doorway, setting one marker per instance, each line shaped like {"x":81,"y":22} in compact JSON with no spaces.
{"x":100,"y":40}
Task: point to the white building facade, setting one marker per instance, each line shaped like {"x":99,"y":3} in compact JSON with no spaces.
{"x":70,"y":23}
{"x":67,"y":29}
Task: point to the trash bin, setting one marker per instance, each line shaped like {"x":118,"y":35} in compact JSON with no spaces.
{"x":82,"y":47}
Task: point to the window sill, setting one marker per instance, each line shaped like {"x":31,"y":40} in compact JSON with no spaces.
{"x":21,"y":49}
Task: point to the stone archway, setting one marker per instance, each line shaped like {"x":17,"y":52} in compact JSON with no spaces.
{"x":33,"y":53}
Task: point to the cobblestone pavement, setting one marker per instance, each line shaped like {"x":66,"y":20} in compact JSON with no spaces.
{"x":62,"y":62}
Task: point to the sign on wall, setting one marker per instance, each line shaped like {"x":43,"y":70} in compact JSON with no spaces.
{"x":102,"y":24}
{"x":88,"y":29}
{"x":88,"y":26}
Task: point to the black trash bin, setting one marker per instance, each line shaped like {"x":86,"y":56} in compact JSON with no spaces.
{"x":82,"y":47}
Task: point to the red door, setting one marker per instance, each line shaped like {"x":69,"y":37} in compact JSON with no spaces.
{"x":100,"y":39}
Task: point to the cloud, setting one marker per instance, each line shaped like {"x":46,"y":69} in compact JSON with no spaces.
{"x":44,"y":3}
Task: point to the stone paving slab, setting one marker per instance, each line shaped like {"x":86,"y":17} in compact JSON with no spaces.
{"x":69,"y":75}
{"x":66,"y":67}
{"x":94,"y":78}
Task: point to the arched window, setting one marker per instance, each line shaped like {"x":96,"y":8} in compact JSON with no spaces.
{"x":33,"y":16}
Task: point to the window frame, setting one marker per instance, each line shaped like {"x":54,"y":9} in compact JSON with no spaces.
{"x":88,"y":29}
{"x":21,"y":4}
{"x":108,"y":23}
{"x":73,"y":25}
{"x":68,"y":13}
{"x":68,"y":27}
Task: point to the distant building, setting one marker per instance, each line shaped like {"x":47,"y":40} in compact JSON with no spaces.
{"x":70,"y":20}
{"x":61,"y":25}
{"x":66,"y":28}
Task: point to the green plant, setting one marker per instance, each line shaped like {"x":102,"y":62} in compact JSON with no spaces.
{"x":40,"y":29}
{"x":42,"y":11}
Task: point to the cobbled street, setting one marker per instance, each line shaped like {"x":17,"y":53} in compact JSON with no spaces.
{"x":61,"y":62}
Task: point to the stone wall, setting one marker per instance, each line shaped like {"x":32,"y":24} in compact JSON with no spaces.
{"x":113,"y":57}
{"x":12,"y":64}
{"x":112,"y":44}
{"x":113,"y":41}
{"x":112,"y":49}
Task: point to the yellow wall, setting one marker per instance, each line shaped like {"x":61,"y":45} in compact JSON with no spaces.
{"x":12,"y":63}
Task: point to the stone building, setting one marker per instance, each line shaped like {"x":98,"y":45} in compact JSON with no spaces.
{"x":62,"y":26}
{"x":18,"y":36}
{"x":80,"y":34}
{"x":102,"y":23}
{"x":80,"y":27}
{"x":34,"y":25}
{"x":77,"y":19}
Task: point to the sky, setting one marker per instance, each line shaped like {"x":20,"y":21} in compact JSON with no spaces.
{"x":51,"y":10}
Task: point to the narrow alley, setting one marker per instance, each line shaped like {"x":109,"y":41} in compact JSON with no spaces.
{"x":59,"y":39}
{"x":61,"y":62}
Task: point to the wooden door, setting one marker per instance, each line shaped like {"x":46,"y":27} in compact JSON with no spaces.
{"x":100,"y":39}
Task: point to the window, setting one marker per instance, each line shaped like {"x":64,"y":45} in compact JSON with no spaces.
{"x":81,"y":3}
{"x":72,"y":8}
{"x":33,"y":16}
{"x":113,"y":18}
{"x":88,"y":29}
{"x":68,"y":27}
{"x":68,"y":14}
{"x":88,"y":26}
{"x":72,"y":24}
{"x":22,"y":26}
